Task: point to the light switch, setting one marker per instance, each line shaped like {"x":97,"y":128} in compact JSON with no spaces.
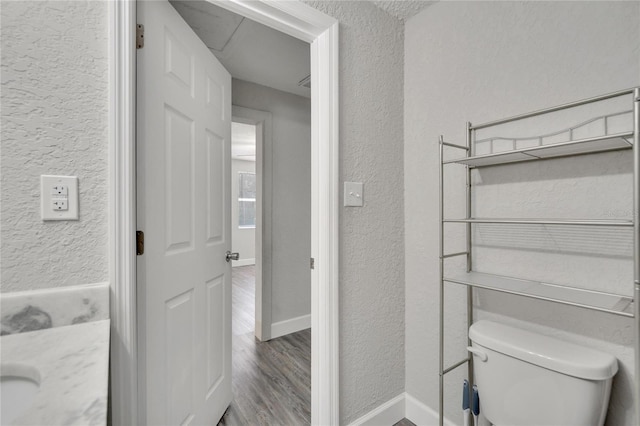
{"x":353,"y":194}
{"x":59,"y":197}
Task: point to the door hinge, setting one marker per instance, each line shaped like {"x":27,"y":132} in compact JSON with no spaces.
{"x":139,"y":243}
{"x":313,"y":263}
{"x":139,"y":36}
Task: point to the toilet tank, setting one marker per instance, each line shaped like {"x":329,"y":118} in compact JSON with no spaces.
{"x":525,"y":378}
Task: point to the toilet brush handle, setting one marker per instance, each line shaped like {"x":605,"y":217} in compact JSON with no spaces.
{"x":475,"y":405}
{"x":466,"y":405}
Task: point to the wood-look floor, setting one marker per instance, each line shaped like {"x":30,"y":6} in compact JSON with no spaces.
{"x":271,"y":380}
{"x":405,"y":422}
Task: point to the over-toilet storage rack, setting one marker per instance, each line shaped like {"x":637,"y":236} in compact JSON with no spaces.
{"x":599,"y":301}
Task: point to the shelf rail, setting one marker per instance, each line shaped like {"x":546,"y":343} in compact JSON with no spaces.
{"x":579,"y":222}
{"x":443,"y":256}
{"x":441,"y":289}
{"x":612,"y":303}
{"x":636,"y":244}
{"x":453,"y":145}
{"x":460,"y":253}
{"x":470,"y":162}
{"x":609,"y":142}
{"x":456,"y":365}
{"x":554,"y":109}
{"x":570,"y":130}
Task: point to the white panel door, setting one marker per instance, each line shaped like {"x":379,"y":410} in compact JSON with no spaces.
{"x":184,"y":293}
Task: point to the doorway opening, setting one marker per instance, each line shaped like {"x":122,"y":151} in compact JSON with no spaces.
{"x":277,"y":361}
{"x":300,"y":21}
{"x":270,"y":181}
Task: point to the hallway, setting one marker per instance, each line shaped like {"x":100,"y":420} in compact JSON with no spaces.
{"x":271,"y":380}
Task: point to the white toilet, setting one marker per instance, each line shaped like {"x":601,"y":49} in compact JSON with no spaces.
{"x":525,"y":378}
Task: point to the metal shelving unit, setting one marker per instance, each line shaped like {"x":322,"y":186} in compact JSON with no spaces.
{"x":569,"y":295}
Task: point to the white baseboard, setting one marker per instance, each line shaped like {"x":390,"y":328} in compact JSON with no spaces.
{"x":289,"y":326}
{"x":387,"y":414}
{"x":402,"y":406}
{"x":243,"y":262}
{"x":421,"y":414}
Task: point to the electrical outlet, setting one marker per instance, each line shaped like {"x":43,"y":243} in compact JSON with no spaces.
{"x":60,"y":190}
{"x":59,"y":197}
{"x":59,"y":204}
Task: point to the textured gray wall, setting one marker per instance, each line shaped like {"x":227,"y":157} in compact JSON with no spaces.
{"x":371,"y":237}
{"x":479,"y":61}
{"x":54,"y":121}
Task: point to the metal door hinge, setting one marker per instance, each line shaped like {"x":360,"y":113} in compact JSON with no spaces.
{"x":139,"y":243}
{"x":139,"y":36}
{"x":313,"y":263}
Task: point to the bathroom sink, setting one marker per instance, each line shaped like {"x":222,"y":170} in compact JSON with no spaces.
{"x":56,"y":376}
{"x":18,"y":387}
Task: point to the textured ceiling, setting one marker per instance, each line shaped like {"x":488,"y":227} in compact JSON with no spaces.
{"x":256,"y":53}
{"x":402,"y":9}
{"x":248,"y":50}
{"x":214,"y":25}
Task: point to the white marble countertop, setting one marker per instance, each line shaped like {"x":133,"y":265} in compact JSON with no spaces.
{"x":73,"y":364}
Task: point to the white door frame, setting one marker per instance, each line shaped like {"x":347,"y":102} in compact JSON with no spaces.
{"x":300,"y":21}
{"x":264,"y":178}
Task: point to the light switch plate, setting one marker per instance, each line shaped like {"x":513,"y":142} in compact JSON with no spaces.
{"x":353,"y":194}
{"x":51,"y":197}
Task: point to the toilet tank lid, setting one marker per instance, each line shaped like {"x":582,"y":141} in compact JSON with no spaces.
{"x":544,"y":351}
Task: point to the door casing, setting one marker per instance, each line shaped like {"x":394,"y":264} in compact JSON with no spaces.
{"x":295,"y":19}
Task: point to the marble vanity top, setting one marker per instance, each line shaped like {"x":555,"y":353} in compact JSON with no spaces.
{"x":73,"y":365}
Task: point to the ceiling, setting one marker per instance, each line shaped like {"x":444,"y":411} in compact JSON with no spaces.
{"x":259,"y":54}
{"x":248,"y":50}
{"x":402,"y":9}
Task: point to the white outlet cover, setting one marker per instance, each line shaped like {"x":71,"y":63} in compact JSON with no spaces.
{"x":47,"y":209}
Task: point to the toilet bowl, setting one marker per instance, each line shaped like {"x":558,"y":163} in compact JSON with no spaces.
{"x":525,"y":378}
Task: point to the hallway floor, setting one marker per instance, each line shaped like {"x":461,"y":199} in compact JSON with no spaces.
{"x":271,"y":380}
